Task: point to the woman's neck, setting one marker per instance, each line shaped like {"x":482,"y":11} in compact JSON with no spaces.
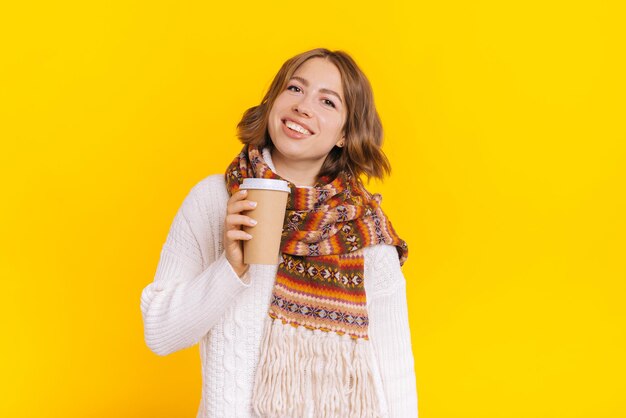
{"x":300,"y":173}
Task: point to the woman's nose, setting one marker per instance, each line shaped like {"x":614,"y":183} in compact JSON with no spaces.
{"x":302,"y":107}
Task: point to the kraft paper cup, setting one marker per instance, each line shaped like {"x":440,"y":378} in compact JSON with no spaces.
{"x":271,"y":197}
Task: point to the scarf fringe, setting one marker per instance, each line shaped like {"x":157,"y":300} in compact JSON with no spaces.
{"x":311,"y":373}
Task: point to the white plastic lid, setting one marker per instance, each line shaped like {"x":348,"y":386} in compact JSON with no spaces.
{"x":265,"y":184}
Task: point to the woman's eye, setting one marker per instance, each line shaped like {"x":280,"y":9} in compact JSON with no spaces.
{"x":297,"y":89}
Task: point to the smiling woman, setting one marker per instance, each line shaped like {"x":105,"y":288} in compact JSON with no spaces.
{"x":326,"y":89}
{"x":305,"y":124}
{"x":324,"y":331}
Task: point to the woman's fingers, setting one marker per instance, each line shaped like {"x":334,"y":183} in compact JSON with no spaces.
{"x":237,"y":234}
{"x":240,"y":195}
{"x":237,"y":204}
{"x":236,"y":220}
{"x":233,"y":234}
{"x":241,"y":205}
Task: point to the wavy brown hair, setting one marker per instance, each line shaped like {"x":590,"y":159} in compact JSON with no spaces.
{"x":362,"y":153}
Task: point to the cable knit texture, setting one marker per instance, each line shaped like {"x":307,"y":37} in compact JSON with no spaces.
{"x":196,"y":297}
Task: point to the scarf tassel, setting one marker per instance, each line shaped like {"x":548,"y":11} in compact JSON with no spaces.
{"x":306,"y":373}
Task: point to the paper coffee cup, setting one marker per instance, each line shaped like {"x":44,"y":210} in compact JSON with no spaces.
{"x":271,"y":197}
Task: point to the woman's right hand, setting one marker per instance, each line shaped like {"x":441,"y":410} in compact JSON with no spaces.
{"x":233,"y":234}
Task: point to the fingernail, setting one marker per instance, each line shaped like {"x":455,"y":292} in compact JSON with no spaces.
{"x":253,"y":204}
{"x":249,"y":236}
{"x":242,"y":191}
{"x":253,"y":221}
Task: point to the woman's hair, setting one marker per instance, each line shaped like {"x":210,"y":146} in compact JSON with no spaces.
{"x":362,"y":153}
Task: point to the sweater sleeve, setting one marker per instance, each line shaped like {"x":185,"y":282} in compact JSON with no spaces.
{"x":391,"y":336}
{"x":184,"y":301}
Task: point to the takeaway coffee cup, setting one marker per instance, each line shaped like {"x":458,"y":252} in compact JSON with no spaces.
{"x":271,"y":197}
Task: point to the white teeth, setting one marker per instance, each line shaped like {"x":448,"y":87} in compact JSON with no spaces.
{"x":296,"y":127}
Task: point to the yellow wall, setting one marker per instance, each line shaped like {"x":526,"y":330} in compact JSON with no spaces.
{"x":505,"y":127}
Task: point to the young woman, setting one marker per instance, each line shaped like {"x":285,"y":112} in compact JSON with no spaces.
{"x":324,"y":332}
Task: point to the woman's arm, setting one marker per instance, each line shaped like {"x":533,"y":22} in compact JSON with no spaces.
{"x":184,"y":302}
{"x":390,"y":334}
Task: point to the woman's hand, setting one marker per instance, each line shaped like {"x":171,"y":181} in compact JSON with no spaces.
{"x":233,"y":233}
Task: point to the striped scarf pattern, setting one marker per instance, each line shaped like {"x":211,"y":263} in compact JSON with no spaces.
{"x":315,"y":357}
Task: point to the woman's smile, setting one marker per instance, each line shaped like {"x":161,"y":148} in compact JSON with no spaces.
{"x":297,"y":126}
{"x":293,"y":133}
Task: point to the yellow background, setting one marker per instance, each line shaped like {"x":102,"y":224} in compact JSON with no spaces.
{"x":504,"y":124}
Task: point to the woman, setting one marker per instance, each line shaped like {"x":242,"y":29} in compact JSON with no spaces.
{"x":324,"y":333}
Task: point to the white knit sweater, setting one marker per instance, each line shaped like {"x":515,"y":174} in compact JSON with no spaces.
{"x":196,"y":296}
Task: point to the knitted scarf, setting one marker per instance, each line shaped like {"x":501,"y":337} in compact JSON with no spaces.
{"x":316,"y":359}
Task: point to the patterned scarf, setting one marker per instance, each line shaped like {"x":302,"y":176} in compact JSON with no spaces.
{"x":315,"y":358}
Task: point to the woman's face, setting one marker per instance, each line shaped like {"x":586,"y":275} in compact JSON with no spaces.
{"x":313,"y":99}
